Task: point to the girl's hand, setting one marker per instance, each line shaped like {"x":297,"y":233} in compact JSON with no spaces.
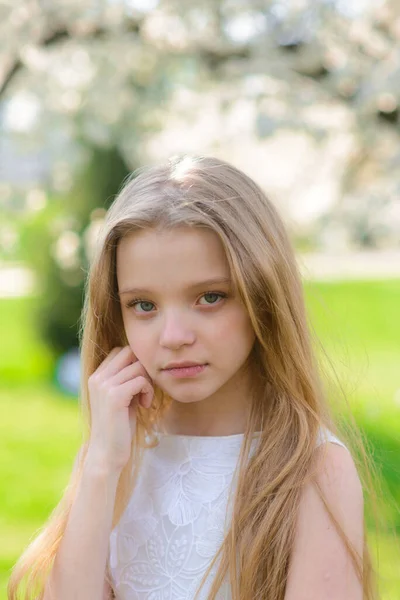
{"x":115,"y":389}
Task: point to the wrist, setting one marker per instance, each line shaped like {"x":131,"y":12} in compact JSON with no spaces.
{"x":98,"y":466}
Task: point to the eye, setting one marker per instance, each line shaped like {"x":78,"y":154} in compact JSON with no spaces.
{"x":211,"y":299}
{"x":145,"y":304}
{"x":214,"y":295}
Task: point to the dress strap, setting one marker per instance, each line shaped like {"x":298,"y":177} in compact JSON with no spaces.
{"x":327,"y":436}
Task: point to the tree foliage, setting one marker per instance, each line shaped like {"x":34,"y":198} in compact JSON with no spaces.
{"x":107,"y":76}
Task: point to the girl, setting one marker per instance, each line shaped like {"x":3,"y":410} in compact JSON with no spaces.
{"x":210,"y":468}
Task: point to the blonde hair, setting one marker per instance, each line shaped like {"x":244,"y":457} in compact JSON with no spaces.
{"x":288,"y":398}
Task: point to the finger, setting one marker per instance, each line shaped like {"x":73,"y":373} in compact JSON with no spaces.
{"x":108,"y":358}
{"x":122,"y":359}
{"x":147,"y":395}
{"x":133,"y":370}
{"x":130,"y":389}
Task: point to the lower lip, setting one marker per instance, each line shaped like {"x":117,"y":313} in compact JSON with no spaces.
{"x":186,"y":371}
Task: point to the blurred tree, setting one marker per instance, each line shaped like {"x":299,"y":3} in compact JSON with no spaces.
{"x":109,"y":75}
{"x":118,"y":68}
{"x":93,"y":189}
{"x":58,"y":244}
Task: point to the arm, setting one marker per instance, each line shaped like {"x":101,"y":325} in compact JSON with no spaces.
{"x":320,"y":565}
{"x":80,"y":563}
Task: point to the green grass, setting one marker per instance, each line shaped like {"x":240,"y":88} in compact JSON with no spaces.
{"x":359,"y":327}
{"x":24,"y":358}
{"x":40,"y":434}
{"x":40,"y":430}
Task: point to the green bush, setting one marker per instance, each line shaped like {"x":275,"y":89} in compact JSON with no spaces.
{"x":66,"y":219}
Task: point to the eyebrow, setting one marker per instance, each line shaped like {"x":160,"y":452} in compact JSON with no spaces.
{"x":207,"y":282}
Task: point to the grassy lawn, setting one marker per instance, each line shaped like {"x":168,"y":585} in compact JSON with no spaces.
{"x":40,"y":432}
{"x":39,"y":435}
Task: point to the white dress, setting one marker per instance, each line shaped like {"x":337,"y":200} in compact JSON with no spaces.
{"x":174,"y":522}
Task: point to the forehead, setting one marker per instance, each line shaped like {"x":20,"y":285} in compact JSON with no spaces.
{"x":175,"y":256}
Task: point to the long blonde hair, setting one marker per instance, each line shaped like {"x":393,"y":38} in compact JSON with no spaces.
{"x":288,"y":396}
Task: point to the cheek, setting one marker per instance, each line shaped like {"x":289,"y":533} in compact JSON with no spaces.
{"x":140,"y":342}
{"x":234,"y":331}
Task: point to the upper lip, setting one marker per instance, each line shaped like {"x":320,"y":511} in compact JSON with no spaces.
{"x":179,"y":365}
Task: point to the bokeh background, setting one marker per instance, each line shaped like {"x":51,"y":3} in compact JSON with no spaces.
{"x":304,"y":96}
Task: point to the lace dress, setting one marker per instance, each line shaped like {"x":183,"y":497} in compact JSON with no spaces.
{"x":175,"y":520}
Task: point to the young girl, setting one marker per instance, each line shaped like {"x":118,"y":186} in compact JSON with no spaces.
{"x":211,"y":467}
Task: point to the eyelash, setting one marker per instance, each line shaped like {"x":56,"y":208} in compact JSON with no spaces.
{"x":134,"y":301}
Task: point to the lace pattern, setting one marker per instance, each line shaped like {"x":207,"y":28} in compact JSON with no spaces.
{"x":176,"y":519}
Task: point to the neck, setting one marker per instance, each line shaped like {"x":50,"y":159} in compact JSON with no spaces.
{"x":226,"y":412}
{"x":179,"y":422}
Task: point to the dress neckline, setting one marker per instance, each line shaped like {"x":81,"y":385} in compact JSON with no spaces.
{"x":232,"y":436}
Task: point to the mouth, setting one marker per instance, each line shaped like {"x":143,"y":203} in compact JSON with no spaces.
{"x":182,"y":364}
{"x":186,"y":371}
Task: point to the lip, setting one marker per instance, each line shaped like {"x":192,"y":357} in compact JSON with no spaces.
{"x":185,"y":372}
{"x":180,"y":365}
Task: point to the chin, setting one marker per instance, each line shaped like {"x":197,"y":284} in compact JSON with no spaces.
{"x":185,"y":400}
{"x":190,"y":396}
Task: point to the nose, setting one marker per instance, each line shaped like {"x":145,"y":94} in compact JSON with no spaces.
{"x":176,"y":331}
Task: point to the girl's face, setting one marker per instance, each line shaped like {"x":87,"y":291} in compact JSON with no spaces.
{"x":172,"y":312}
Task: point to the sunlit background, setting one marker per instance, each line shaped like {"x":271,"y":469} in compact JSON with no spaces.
{"x":304,"y":96}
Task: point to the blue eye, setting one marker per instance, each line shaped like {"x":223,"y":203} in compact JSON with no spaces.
{"x":146,"y":305}
{"x":138,"y":301}
{"x":215,"y":294}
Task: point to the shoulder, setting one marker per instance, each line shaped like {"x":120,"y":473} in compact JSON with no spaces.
{"x":338,"y":480}
{"x":337,"y":474}
{"x":320,"y":563}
